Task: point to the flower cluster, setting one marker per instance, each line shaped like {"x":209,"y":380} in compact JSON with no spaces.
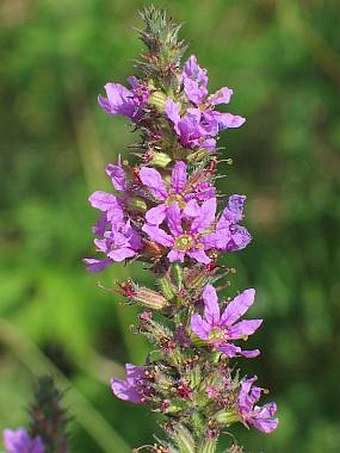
{"x":166,"y":212}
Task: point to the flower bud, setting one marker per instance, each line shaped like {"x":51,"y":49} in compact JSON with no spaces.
{"x":166,"y":287}
{"x":137,"y":204}
{"x":208,"y":446}
{"x":177,"y":272}
{"x":150,"y":299}
{"x":183,"y":439}
{"x":158,"y":98}
{"x":194,"y":377}
{"x":158,"y":159}
{"x":227,"y":417}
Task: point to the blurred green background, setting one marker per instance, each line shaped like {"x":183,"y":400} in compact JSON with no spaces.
{"x":281,"y":59}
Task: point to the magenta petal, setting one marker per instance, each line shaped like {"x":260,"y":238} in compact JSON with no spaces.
{"x":206,"y":216}
{"x":104,"y":104}
{"x":262,"y":418}
{"x":132,"y":388}
{"x":228,"y":120}
{"x":211,"y":307}
{"x":120,"y":100}
{"x":244,"y":328}
{"x":200,"y":327}
{"x":156,"y":215}
{"x":152,"y":179}
{"x":209,"y":144}
{"x":192,"y":209}
{"x":250,"y":354}
{"x":94,"y":265}
{"x":265,"y":426}
{"x":175,"y":255}
{"x":120,"y":254}
{"x":237,"y":307}
{"x":158,"y":235}
{"x":179,"y":176}
{"x":103,"y":200}
{"x":236,"y":206}
{"x":195,"y":80}
{"x":172,"y":111}
{"x":100,"y":227}
{"x":230,"y":350}
{"x":240,"y":238}
{"x":122,"y":391}
{"x":221,"y":96}
{"x":174,"y":219}
{"x":212,"y":241}
{"x":117,"y":175}
{"x":199,"y":255}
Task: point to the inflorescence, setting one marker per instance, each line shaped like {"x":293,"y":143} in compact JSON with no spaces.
{"x":166,"y":212}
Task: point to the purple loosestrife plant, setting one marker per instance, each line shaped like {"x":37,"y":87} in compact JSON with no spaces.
{"x":47,"y":431}
{"x":167,"y":213}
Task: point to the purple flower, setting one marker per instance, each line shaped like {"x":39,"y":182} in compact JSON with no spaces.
{"x":219,"y":330}
{"x":180,"y":191}
{"x":259,"y":416}
{"x":190,"y":128}
{"x":116,"y":237}
{"x":201,"y":122}
{"x":195,"y":82}
{"x":19,"y":441}
{"x":229,"y":236}
{"x":135,"y":388}
{"x":118,"y":244}
{"x":121,"y":101}
{"x":187,"y":228}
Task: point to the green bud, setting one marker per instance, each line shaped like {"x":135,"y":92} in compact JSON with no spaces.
{"x":159,"y":159}
{"x":227,"y":418}
{"x":166,"y":288}
{"x":138,"y":204}
{"x":194,"y":377}
{"x":183,"y":439}
{"x":177,"y":272}
{"x":158,"y":99}
{"x":150,"y":299}
{"x":208,"y":446}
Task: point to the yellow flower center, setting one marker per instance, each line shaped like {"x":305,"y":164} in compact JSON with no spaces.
{"x":217,"y":336}
{"x":184,"y":242}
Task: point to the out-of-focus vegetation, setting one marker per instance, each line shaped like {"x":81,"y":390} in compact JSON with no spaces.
{"x":281,"y":59}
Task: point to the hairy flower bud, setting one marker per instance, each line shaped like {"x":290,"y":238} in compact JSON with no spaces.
{"x":226,"y":417}
{"x":149,"y":298}
{"x":167,"y":287}
{"x":158,"y":159}
{"x":208,"y":446}
{"x":158,"y":98}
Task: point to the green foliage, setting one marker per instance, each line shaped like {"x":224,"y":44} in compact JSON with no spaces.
{"x":280,"y":58}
